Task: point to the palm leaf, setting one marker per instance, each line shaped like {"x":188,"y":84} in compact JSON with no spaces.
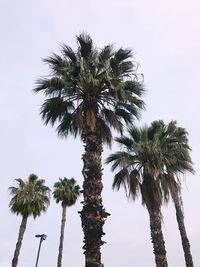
{"x":122,"y":54}
{"x":68,"y":125}
{"x":105,"y":54}
{"x":68,"y":53}
{"x":120,"y":179}
{"x":133,"y":182}
{"x":53,"y":109}
{"x":86,"y":45}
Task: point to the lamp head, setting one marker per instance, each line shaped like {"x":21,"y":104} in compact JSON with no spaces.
{"x":43,"y":236}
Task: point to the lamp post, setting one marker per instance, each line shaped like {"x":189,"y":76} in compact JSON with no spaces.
{"x":42,"y":238}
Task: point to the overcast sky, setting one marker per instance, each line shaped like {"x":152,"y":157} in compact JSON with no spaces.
{"x":164,"y":36}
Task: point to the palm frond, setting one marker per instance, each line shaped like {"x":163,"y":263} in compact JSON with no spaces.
{"x":68,"y":125}
{"x":68,"y":53}
{"x":135,"y":134}
{"x":53,"y":109}
{"x":51,"y":86}
{"x":122,"y":54}
{"x":134,"y":183}
{"x":56,"y":63}
{"x":111,"y":118}
{"x":104,"y":131}
{"x":105,"y":54}
{"x":86,"y":45}
{"x":124,"y":141}
{"x":126,"y":67}
{"x":120,"y":179}
{"x":120,"y":159}
{"x":134,"y":88}
{"x":125,"y":115}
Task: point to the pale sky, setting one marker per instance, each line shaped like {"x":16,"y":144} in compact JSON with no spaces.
{"x":164,"y":36}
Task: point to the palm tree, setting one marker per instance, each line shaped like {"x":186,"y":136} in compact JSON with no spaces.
{"x":65,"y":191}
{"x":89,"y":92}
{"x":29,"y":197}
{"x":177,"y":136}
{"x":149,"y":163}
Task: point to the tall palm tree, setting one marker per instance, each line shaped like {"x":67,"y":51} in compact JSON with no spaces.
{"x":178,"y":137}
{"x":65,"y":191}
{"x":89,"y":92}
{"x":29,"y":197}
{"x":149,"y":163}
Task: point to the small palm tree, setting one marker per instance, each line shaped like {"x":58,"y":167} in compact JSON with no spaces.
{"x":90,"y":92}
{"x":149,"y":163}
{"x":29,"y":197}
{"x":65,"y":191}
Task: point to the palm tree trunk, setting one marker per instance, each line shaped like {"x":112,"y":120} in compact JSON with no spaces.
{"x":93,"y":214}
{"x":157,"y":236}
{"x":181,"y":226}
{"x":59,"y":263}
{"x":19,"y":241}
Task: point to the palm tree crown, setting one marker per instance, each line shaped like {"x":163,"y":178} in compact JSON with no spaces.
{"x":151,"y":160}
{"x":90,"y":87}
{"x":66,"y":191}
{"x":29,"y":197}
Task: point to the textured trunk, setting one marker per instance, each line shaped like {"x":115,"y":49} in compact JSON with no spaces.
{"x":157,"y":236}
{"x":59,"y":263}
{"x":93,"y":214}
{"x":19,"y":241}
{"x":181,"y":226}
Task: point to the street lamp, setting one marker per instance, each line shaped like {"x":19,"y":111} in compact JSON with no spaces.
{"x":42,"y":238}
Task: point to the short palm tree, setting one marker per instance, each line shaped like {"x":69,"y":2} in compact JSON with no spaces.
{"x":89,"y":92}
{"x":67,"y":192}
{"x":29,"y":198}
{"x":149,"y":164}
